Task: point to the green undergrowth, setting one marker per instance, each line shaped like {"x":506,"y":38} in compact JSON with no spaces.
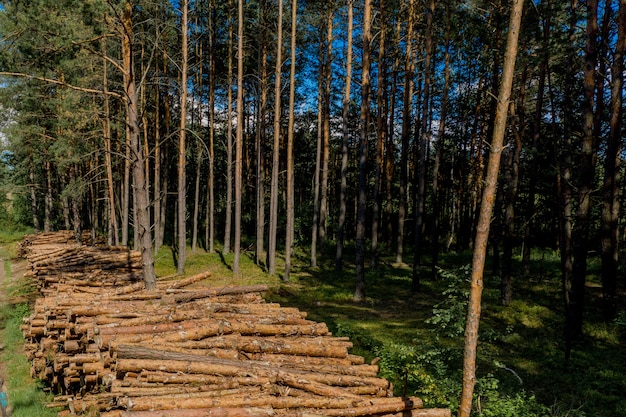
{"x":417,"y":339}
{"x":25,"y":394}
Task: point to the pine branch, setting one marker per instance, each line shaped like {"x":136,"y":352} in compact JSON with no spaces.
{"x":61,"y":83}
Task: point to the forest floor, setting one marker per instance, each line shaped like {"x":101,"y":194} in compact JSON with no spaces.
{"x":417,"y":339}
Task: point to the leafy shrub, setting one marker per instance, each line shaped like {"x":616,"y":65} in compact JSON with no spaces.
{"x":449,"y":314}
{"x":490,"y":402}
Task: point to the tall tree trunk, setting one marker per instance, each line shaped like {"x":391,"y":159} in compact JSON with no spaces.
{"x":486,"y":209}
{"x":126,"y":185}
{"x":440,"y":146}
{"x":47,"y":214}
{"x":390,"y":146}
{"x":323,"y":215}
{"x":381,"y":134}
{"x":273,"y":226}
{"x":406,"y":134}
{"x":229,"y":136}
{"x":261,"y":137}
{"x":157,"y":193}
{"x":345,"y":115}
{"x":422,"y":146}
{"x":512,"y":178}
{"x":33,"y":193}
{"x":580,"y":233}
{"x":536,"y":135}
{"x":199,"y":146}
{"x":210,"y":221}
{"x":318,"y":157}
{"x":113,"y":237}
{"x":359,"y":291}
{"x":239,"y":141}
{"x":290,"y":133}
{"x":142,"y":212}
{"x":564,"y":177}
{"x":612,"y":179}
{"x":182,"y":149}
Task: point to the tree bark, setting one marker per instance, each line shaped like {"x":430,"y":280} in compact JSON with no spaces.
{"x":612,"y":179}
{"x":318,"y":158}
{"x":229,"y":136}
{"x":273,"y":226}
{"x":580,"y":233}
{"x":327,"y":80}
{"x":290,"y":134}
{"x":345,"y":115}
{"x":142,"y":212}
{"x":239,"y":141}
{"x":182,"y":148}
{"x":381,"y":134}
{"x":31,"y":188}
{"x":422,"y":150}
{"x":261,"y":137}
{"x":359,"y":291}
{"x":440,"y":146}
{"x":113,"y":236}
{"x":486,"y":209}
{"x":406,"y":134}
{"x":210,"y":215}
{"x":512,"y":179}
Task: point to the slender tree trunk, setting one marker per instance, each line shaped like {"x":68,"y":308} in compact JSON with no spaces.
{"x":47,"y":216}
{"x":345,"y":115}
{"x":210,"y":223}
{"x":239,"y":142}
{"x":406,"y":134}
{"x":580,"y":233}
{"x":273,"y":226}
{"x":200,"y":148}
{"x":440,"y":146}
{"x":142,"y":212}
{"x":390,"y":147}
{"x":229,"y":135}
{"x":381,"y":133}
{"x":126,"y":186}
{"x":512,"y":178}
{"x":182,"y":149}
{"x":536,"y":135}
{"x":157,"y":193}
{"x":612,"y":179}
{"x":486,"y":209}
{"x":75,"y":208}
{"x":359,"y":291}
{"x":422,"y":146}
{"x":113,"y":234}
{"x":564,"y":178}
{"x":318,"y":159}
{"x":290,"y":133}
{"x":261,"y":137}
{"x":31,"y":188}
{"x":323,"y":215}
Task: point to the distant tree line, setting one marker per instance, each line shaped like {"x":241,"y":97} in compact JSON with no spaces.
{"x":318,"y":124}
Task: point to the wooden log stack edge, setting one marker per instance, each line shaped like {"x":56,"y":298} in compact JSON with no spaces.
{"x":105,"y":346}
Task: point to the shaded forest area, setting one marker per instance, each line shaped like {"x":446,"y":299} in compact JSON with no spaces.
{"x":351,"y":128}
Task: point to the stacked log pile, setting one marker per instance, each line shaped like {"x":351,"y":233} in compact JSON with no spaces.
{"x":56,"y":258}
{"x":184,"y":350}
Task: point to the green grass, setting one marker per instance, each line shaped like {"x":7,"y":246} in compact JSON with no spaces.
{"x":26,"y":397}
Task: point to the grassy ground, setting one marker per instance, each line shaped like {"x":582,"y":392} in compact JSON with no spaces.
{"x":417,"y":338}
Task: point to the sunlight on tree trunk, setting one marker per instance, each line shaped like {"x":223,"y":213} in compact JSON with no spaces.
{"x":486,"y":208}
